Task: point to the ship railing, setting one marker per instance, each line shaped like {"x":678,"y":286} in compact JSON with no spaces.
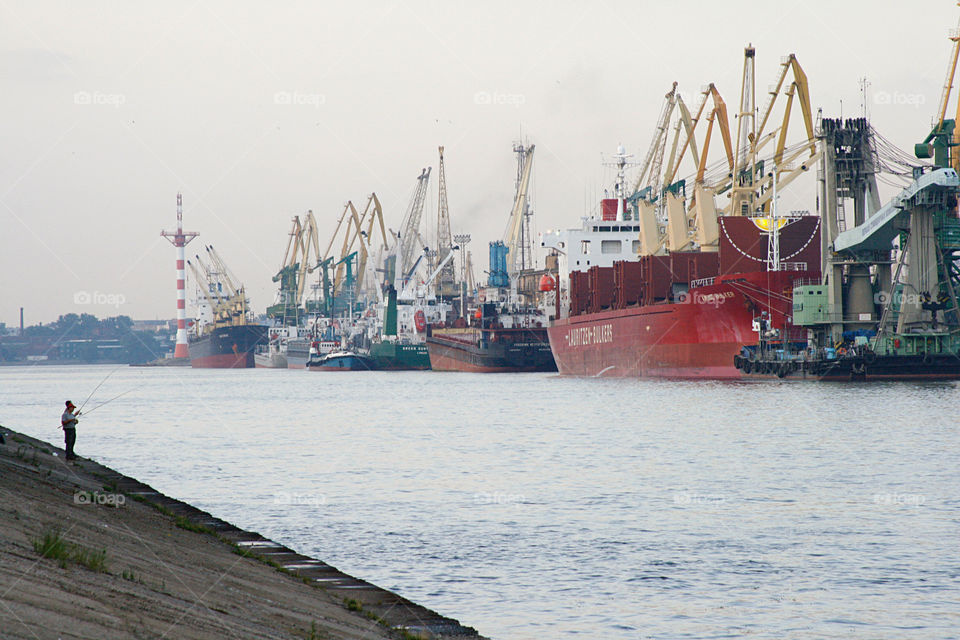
{"x":807,"y":282}
{"x":702,"y":282}
{"x":793,"y":266}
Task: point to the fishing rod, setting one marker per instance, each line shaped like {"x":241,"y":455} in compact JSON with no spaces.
{"x":108,"y":401}
{"x":95,"y":390}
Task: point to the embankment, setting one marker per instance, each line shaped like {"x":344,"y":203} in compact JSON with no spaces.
{"x":124,"y":561}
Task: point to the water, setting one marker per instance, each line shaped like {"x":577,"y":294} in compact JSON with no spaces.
{"x":533,"y":506}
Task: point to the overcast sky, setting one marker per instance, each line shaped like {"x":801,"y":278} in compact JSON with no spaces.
{"x":260,"y":111}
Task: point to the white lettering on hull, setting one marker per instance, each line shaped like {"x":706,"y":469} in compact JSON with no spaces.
{"x":587,"y":336}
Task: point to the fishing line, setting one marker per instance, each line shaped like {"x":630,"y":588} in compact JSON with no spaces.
{"x":108,"y":401}
{"x":95,"y":390}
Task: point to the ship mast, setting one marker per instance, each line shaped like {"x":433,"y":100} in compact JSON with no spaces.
{"x":773,"y":239}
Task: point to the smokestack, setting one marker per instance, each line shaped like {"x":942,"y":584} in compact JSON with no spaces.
{"x":21,"y":322}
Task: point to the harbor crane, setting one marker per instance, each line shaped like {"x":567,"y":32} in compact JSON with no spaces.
{"x":942,"y":141}
{"x":448,"y":279}
{"x":410,"y":228}
{"x":515,"y":238}
{"x":296,"y":266}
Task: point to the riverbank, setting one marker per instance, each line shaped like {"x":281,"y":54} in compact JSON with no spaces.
{"x":124,"y":561}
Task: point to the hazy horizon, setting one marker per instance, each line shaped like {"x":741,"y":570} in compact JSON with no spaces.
{"x":257,"y":113}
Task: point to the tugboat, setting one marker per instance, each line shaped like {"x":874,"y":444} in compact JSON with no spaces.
{"x":342,"y":361}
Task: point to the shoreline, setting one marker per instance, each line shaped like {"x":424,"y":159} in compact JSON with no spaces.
{"x":168,"y":567}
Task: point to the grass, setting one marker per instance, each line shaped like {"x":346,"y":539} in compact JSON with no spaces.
{"x":53,"y":545}
{"x":130,"y":575}
{"x":24,"y":450}
{"x":184,"y":523}
{"x":90,"y":558}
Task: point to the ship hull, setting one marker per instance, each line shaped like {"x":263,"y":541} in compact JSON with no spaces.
{"x":342,"y":362}
{"x":298,"y":353}
{"x":389,"y":356}
{"x":491,"y":351}
{"x":270,"y":360}
{"x":227,"y":347}
{"x":874,"y":368}
{"x":694,"y":339}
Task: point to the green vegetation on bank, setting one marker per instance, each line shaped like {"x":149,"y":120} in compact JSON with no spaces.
{"x":53,"y":545}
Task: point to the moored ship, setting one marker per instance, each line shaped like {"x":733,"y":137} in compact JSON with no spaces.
{"x":491,"y":347}
{"x":685,"y":315}
{"x":229,"y":347}
{"x":508,"y":331}
{"x":664,"y":282}
{"x":225,"y":335}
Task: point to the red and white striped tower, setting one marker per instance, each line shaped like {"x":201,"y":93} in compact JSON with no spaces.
{"x":180,"y":239}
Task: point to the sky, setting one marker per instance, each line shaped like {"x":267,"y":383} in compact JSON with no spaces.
{"x":257,"y":112}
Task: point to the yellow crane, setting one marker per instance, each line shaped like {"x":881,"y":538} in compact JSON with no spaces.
{"x":752,"y":185}
{"x":944,"y":138}
{"x":297,"y":264}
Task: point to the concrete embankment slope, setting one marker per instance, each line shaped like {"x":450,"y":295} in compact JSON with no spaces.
{"x":169,"y":570}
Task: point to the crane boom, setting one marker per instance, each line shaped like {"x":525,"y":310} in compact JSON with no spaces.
{"x":411,"y":222}
{"x":649,"y":172}
{"x":511,"y":238}
{"x":948,"y":83}
{"x":221,"y":266}
{"x":444,"y":235}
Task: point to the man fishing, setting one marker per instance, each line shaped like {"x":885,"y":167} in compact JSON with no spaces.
{"x":68,"y":422}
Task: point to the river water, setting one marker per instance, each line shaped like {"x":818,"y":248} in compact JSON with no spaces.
{"x":534,"y":506}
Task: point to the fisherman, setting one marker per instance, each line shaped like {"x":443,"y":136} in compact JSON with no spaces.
{"x":68,"y":422}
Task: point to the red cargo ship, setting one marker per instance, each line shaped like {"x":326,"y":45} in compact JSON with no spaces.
{"x":685,"y":314}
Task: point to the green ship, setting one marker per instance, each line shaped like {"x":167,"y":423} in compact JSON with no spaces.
{"x":393,"y":356}
{"x":391,"y":353}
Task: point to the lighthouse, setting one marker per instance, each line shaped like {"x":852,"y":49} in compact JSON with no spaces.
{"x":180,"y":239}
